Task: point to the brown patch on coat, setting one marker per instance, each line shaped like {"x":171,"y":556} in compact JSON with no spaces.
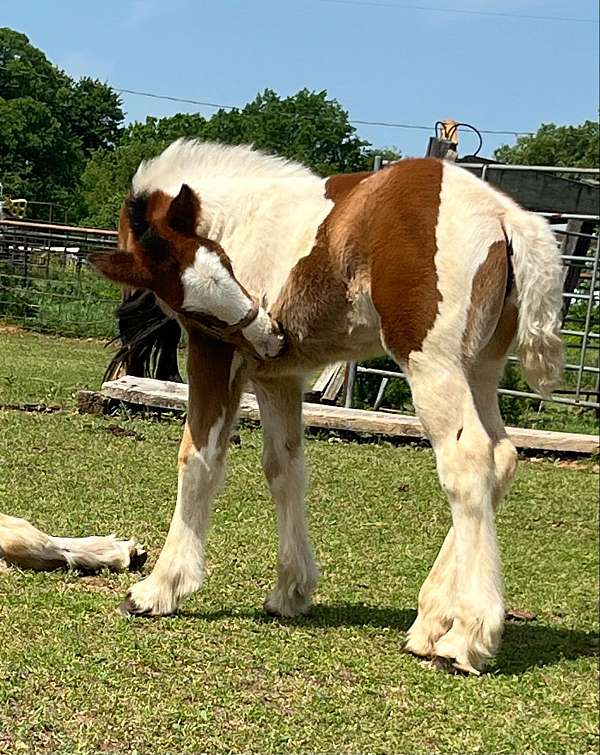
{"x":320,"y":281}
{"x":316,"y":281}
{"x":401,"y":244}
{"x":158,"y":241}
{"x":488,"y":292}
{"x":339,"y":186}
{"x":212,"y":394}
{"x":505,"y":333}
{"x":146,"y":259}
{"x":380,"y":232}
{"x":124,"y":230}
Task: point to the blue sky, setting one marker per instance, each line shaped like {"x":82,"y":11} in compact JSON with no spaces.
{"x":384,"y":60}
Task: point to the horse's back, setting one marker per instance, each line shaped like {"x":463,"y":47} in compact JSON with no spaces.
{"x":436,"y":251}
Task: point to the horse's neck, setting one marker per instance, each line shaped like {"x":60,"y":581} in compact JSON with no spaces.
{"x":265,"y":227}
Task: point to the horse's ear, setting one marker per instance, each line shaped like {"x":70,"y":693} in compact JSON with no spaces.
{"x":184,"y":211}
{"x":119,"y":267}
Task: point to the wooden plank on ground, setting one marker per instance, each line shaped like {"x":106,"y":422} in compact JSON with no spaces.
{"x":164,"y":395}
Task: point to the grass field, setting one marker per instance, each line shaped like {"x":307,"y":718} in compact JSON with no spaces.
{"x":222,"y":677}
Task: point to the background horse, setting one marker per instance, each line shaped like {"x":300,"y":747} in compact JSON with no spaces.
{"x":273,"y":272}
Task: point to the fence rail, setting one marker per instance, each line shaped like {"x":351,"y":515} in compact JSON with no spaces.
{"x":45,"y":281}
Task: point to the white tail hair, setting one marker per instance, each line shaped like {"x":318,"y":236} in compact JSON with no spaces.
{"x":538,"y":277}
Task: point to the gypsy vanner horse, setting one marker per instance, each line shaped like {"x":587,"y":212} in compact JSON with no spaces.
{"x":273,"y":272}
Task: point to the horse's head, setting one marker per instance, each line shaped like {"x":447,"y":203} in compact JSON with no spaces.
{"x":161,"y":251}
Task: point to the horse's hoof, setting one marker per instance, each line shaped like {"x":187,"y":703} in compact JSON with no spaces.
{"x":449,"y":666}
{"x":465,"y":669}
{"x":130,"y":608}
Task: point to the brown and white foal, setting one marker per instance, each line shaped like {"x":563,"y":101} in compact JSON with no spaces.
{"x":420,"y":260}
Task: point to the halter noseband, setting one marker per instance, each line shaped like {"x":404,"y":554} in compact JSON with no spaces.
{"x":215,"y":327}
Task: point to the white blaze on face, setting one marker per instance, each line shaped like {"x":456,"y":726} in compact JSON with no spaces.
{"x":209,"y":288}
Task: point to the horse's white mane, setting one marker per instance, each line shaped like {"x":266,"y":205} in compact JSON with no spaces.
{"x":192,"y":161}
{"x":264,"y":210}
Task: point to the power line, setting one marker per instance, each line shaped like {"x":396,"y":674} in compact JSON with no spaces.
{"x":462,"y":11}
{"x":358,"y":122}
{"x":188,"y":101}
{"x":175,"y":99}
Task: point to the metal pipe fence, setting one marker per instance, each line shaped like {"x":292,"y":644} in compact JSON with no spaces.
{"x":46,"y":283}
{"x":581,"y":296}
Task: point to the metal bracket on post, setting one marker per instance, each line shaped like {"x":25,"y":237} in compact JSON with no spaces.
{"x":445,"y":143}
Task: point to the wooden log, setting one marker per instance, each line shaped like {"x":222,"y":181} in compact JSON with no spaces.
{"x":164,"y":395}
{"x":92,"y":402}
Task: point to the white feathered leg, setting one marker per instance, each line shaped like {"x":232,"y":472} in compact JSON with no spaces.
{"x":280,"y":404}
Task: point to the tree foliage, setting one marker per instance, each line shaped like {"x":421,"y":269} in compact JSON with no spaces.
{"x":567,"y":146}
{"x":62,"y":141}
{"x":49,"y":123}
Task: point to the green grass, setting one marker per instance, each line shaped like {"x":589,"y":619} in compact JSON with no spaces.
{"x":42,"y":369}
{"x":222,"y":677}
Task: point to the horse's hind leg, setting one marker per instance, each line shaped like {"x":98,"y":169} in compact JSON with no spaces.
{"x":484,"y":375}
{"x":280,"y":402}
{"x":484,"y":382}
{"x":434,"y":619}
{"x":461,"y":609}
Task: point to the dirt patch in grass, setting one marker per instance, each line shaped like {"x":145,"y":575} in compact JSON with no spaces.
{"x":10,"y":330}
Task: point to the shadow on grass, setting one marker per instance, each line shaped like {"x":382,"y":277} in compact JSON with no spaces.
{"x":524,"y":647}
{"x":530,"y":645}
{"x":321,"y":616}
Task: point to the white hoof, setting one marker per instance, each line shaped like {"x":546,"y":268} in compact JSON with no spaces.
{"x":423,"y":635}
{"x":287,"y":603}
{"x":158,"y":595}
{"x":469,"y":646}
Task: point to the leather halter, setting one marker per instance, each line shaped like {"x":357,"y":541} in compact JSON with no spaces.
{"x":215,"y":327}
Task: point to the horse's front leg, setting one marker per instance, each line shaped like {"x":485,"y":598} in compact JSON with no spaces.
{"x":280,"y":402}
{"x":215,"y":375}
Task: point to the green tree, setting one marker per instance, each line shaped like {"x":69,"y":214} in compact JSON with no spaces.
{"x":92,"y":111}
{"x":108,"y":173}
{"x":49,"y":124}
{"x":568,"y":146}
{"x":38,"y":159}
{"x":307,"y":127}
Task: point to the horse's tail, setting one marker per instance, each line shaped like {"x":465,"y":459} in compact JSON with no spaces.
{"x":149,"y":340}
{"x":538,"y":277}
